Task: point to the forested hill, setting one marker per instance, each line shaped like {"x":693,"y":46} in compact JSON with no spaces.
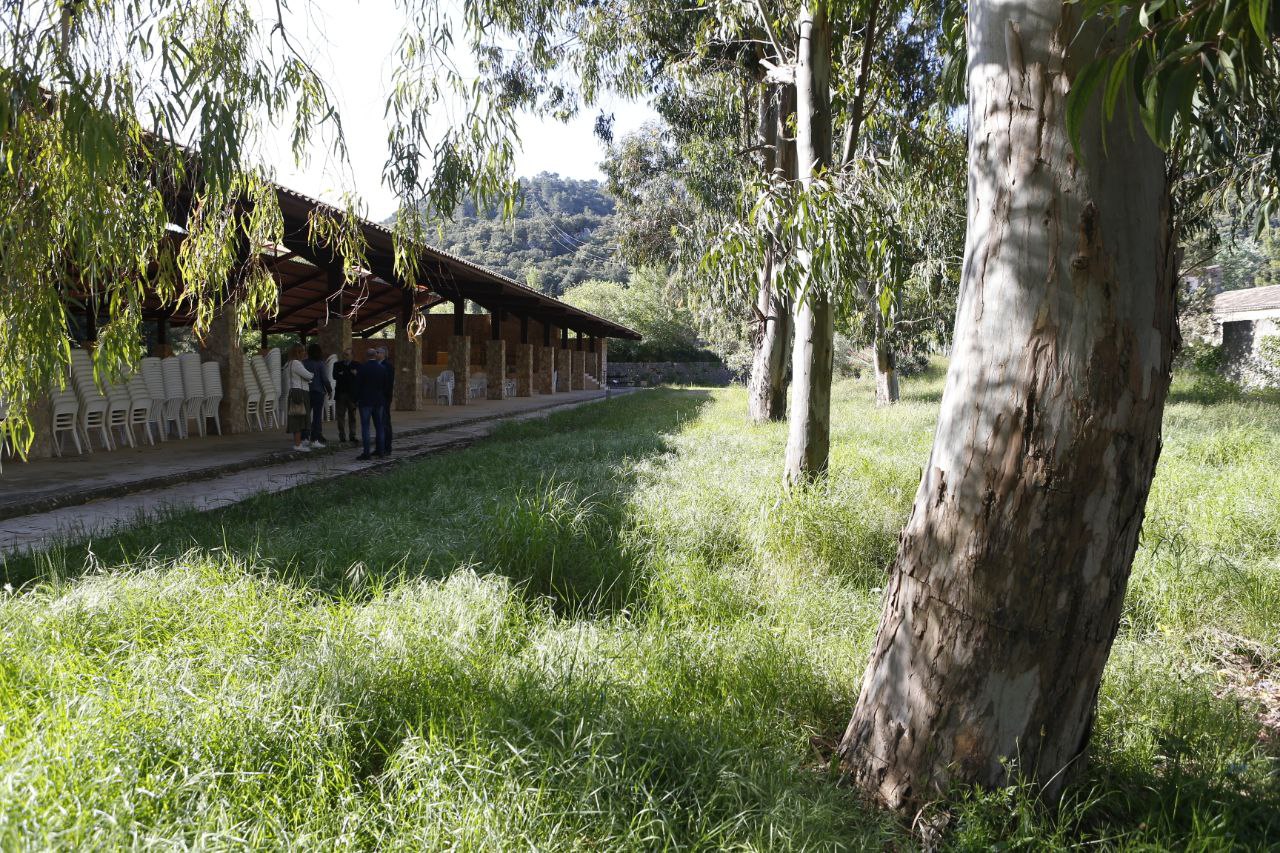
{"x":562,"y":235}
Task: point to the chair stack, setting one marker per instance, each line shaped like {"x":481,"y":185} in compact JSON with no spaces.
{"x":192,"y":390}
{"x":142,"y":409}
{"x":270,"y":394}
{"x":153,"y":376}
{"x":444,"y":387}
{"x":275,"y":389}
{"x":118,"y":411}
{"x":93,"y":403}
{"x":253,"y":396}
{"x":175,"y":396}
{"x":212,"y":395}
{"x":330,"y":412}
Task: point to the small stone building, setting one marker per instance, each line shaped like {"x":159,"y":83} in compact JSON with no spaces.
{"x":1241,"y":319}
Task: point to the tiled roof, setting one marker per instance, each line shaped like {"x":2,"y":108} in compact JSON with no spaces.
{"x":1253,"y":299}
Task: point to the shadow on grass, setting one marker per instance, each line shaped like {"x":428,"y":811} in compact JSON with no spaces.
{"x":544,"y":502}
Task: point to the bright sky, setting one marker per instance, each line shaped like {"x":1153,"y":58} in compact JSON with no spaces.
{"x":350,"y":43}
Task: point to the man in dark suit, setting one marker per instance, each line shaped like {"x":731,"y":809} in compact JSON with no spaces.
{"x":388,"y":390}
{"x":370,"y":397}
{"x":344,"y":397}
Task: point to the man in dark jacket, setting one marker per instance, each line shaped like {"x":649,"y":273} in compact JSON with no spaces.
{"x":344,"y":397}
{"x":320,"y":389}
{"x":388,"y":390}
{"x":370,"y":378}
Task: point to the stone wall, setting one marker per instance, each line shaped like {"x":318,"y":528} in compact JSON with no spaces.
{"x":625,"y":373}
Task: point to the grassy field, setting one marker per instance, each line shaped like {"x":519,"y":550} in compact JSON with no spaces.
{"x":606,"y":630}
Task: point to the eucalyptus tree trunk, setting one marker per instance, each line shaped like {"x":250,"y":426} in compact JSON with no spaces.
{"x":1007,"y":589}
{"x":767,"y":390}
{"x":812,"y":352}
{"x":886,"y":361}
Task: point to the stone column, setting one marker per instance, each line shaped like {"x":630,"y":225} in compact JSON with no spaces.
{"x":546,"y":364}
{"x":564,"y":367}
{"x":460,"y":364}
{"x":578,"y":378}
{"x":495,"y":368}
{"x":222,"y":344}
{"x":334,"y":337}
{"x":408,"y":387}
{"x":602,"y":357}
{"x":524,"y":370}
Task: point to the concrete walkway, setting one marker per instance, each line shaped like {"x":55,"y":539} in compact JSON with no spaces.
{"x":47,"y":501}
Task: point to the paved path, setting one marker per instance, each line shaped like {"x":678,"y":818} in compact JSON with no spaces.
{"x":39,"y":530}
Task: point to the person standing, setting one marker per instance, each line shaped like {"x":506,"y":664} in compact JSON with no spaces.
{"x":319,"y":389}
{"x":370,"y":378}
{"x":298,"y":402}
{"x":344,"y":397}
{"x":388,"y":390}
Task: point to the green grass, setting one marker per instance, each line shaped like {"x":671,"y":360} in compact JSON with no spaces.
{"x":601,"y":630}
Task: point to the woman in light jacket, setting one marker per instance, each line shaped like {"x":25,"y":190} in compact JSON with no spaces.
{"x":299,"y":400}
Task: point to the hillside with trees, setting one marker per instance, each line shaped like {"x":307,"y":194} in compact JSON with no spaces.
{"x":561,"y":235}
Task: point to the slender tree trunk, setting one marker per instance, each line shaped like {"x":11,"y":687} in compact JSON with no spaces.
{"x":886,"y":361}
{"x":767,"y":390}
{"x":1007,"y":589}
{"x":811,"y":357}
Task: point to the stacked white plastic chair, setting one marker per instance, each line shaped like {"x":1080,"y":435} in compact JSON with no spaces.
{"x":93,"y":403}
{"x":141,"y":406}
{"x":330,"y":405}
{"x":153,"y":376}
{"x":175,"y":395}
{"x":192,"y":391}
{"x":212,"y":394}
{"x":118,"y":411}
{"x":270,"y":401}
{"x":444,"y":387}
{"x":66,"y":418}
{"x":253,"y":396}
{"x":275,"y":389}
{"x":479,"y":387}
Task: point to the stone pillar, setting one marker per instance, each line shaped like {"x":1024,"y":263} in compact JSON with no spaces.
{"x":578,"y":378}
{"x":564,"y":367}
{"x":524,"y":370}
{"x":334,"y":337}
{"x":222,"y":344}
{"x":408,"y":387}
{"x":460,"y":364}
{"x":496,"y":369}
{"x":546,"y":364}
{"x":602,"y":357}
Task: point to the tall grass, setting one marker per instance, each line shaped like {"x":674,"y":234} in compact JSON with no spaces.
{"x":609,"y":630}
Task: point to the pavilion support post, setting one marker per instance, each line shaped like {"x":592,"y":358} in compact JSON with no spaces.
{"x":602,"y":361}
{"x":593,"y":364}
{"x":524,"y":370}
{"x":460,"y":364}
{"x":544,"y":370}
{"x":222,"y":344}
{"x":564,"y":369}
{"x":162,"y":348}
{"x":334,"y":332}
{"x":408,"y":387}
{"x":496,"y":369}
{"x":578,"y":376}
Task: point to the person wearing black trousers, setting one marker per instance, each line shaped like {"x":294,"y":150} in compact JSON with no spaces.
{"x":388,"y":389}
{"x":320,"y":388}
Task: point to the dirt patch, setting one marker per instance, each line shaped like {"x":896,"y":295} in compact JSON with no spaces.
{"x":1250,"y":673}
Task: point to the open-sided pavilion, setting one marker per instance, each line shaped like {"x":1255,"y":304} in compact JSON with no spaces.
{"x":525,"y":343}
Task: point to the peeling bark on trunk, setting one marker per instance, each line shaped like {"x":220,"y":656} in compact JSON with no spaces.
{"x":767,"y":390}
{"x":812,"y":353}
{"x":1006,"y":593}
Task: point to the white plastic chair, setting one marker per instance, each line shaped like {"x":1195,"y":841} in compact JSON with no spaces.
{"x":270,"y":401}
{"x":212,"y":394}
{"x":175,"y":396}
{"x":93,"y":403}
{"x":509,"y":387}
{"x":192,"y":390}
{"x":153,"y":377}
{"x":330,"y":405}
{"x":66,"y":418}
{"x":141,"y":406}
{"x":118,"y":411}
{"x":479,"y":387}
{"x":444,"y":387}
{"x":253,"y":397}
{"x":273,"y":389}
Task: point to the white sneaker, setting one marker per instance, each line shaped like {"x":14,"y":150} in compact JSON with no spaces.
{"x":304,"y":446}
